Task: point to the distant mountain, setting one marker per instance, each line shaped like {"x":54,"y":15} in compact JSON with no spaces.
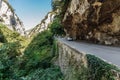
{"x":9,"y":18}
{"x":50,"y":16}
{"x":44,"y":24}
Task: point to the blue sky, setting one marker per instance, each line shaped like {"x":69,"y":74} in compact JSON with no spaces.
{"x":31,"y":12}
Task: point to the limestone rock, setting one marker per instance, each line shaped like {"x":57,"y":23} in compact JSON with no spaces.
{"x":93,"y":20}
{"x":44,"y":24}
{"x":9,"y":18}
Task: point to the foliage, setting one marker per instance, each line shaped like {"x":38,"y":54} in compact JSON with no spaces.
{"x":39,"y":42}
{"x":2,"y":38}
{"x":65,"y":5}
{"x":56,"y":27}
{"x":60,"y":5}
{"x":22,"y":61}
{"x":38,"y":58}
{"x":10,"y":35}
{"x":52,"y":73}
{"x":10,"y":48}
{"x":8,"y":58}
{"x":10,"y":51}
{"x":7,"y":35}
{"x":99,"y":69}
{"x":56,"y":4}
{"x":39,"y":49}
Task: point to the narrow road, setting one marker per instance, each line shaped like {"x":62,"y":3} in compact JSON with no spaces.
{"x":107,"y":53}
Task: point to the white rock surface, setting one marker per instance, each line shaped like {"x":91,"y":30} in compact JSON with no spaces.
{"x":9,"y":18}
{"x":44,"y":24}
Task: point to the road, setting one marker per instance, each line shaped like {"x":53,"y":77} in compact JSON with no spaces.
{"x":107,"y":53}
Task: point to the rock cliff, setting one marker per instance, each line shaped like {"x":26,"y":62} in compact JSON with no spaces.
{"x":9,"y":18}
{"x":44,"y":24}
{"x":93,"y":20}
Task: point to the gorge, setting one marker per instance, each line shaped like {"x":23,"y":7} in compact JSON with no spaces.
{"x":44,"y":53}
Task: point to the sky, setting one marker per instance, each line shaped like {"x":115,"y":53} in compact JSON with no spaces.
{"x":31,"y":12}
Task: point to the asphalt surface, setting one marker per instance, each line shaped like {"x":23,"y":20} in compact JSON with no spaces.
{"x":107,"y":53}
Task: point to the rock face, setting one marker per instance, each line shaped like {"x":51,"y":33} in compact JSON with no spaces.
{"x":93,"y":20}
{"x":44,"y":24}
{"x":9,"y":18}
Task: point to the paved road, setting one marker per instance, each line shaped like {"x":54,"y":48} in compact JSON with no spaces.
{"x":109,"y":54}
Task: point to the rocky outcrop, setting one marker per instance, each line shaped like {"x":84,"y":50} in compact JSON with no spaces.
{"x":44,"y":24}
{"x":9,"y":18}
{"x":93,"y":20}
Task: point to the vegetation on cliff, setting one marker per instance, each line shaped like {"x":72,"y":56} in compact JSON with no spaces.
{"x":56,"y":27}
{"x":32,"y":59}
{"x":21,"y":61}
{"x":99,"y":69}
{"x":29,"y":59}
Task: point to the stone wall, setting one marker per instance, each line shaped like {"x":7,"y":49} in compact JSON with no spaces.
{"x":75,"y":65}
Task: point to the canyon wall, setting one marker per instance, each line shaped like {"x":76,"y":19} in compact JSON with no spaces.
{"x":93,"y":20}
{"x":44,"y":24}
{"x":9,"y":18}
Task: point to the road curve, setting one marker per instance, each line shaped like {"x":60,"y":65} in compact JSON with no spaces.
{"x":107,"y":53}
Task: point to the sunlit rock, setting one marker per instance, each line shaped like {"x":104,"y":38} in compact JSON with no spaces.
{"x":44,"y":24}
{"x":9,"y":18}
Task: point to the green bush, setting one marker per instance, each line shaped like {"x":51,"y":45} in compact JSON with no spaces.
{"x":99,"y":69}
{"x":8,"y":58}
{"x":56,"y":27}
{"x":39,"y":42}
{"x":36,"y":59}
{"x":10,"y":48}
{"x":2,"y":38}
{"x":9,"y":35}
{"x":52,"y":73}
{"x":38,"y":51}
{"x":56,"y":4}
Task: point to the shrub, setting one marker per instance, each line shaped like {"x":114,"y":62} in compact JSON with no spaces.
{"x":56,"y":4}
{"x":2,"y":38}
{"x":56,"y":27}
{"x":39,"y":42}
{"x":99,"y":69}
{"x":52,"y":73}
{"x":38,"y":51}
{"x":35,"y":61}
{"x":8,"y":58}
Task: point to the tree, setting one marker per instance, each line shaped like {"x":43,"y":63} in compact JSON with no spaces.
{"x":56,"y":27}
